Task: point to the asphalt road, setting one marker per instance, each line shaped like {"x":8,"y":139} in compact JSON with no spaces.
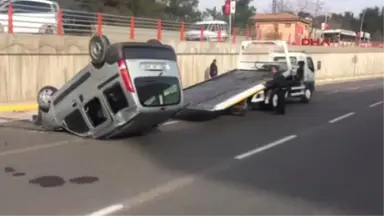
{"x":325,"y":157}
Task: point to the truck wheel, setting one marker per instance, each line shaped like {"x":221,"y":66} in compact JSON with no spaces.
{"x":274,"y":101}
{"x":44,"y":97}
{"x":98,"y":46}
{"x":239,"y":109}
{"x":307,"y":96}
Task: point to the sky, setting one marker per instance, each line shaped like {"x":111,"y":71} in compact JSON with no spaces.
{"x":335,"y":6}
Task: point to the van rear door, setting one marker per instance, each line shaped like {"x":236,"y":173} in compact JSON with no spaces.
{"x":154,"y":74}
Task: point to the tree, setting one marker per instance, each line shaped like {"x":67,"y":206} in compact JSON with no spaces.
{"x":213,"y":13}
{"x":244,"y":11}
{"x":186,"y":10}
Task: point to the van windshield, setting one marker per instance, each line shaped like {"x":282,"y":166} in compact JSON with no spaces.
{"x":158,"y":91}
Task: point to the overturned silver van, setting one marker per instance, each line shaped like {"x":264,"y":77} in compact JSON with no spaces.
{"x":128,"y":88}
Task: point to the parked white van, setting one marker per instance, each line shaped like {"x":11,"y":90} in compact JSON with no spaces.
{"x":30,"y":16}
{"x":210,"y":33}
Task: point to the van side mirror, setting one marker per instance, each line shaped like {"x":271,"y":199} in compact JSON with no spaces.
{"x":318,"y":65}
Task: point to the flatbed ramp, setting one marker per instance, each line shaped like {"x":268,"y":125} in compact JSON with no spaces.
{"x":224,"y":91}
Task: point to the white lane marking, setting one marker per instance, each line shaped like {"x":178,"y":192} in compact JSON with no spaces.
{"x":37,"y":147}
{"x":375,"y":104}
{"x":341,"y":117}
{"x":266,"y":147}
{"x":108,"y":210}
{"x":3,"y":120}
{"x":332,"y":92}
{"x":353,"y":88}
{"x":371,"y":85}
{"x":170,"y":122}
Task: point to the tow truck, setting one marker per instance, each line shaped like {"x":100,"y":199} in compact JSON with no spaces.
{"x":246,"y":86}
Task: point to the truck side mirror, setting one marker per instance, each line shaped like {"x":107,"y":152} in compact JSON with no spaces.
{"x":318,"y":65}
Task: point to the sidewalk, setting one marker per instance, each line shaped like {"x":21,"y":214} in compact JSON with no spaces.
{"x":12,"y":116}
{"x":25,"y":106}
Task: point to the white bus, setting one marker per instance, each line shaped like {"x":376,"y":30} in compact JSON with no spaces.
{"x":340,"y":36}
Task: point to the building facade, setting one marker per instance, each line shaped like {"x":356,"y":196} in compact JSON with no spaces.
{"x":284,"y":26}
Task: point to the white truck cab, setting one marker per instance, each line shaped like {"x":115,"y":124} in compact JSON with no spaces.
{"x":300,"y":81}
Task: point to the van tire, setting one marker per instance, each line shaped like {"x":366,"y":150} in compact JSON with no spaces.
{"x":44,"y":97}
{"x":153,"y":41}
{"x":98,"y":47}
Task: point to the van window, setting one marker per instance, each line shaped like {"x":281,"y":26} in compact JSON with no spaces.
{"x":158,"y":91}
{"x":31,"y":7}
{"x":116,"y":98}
{"x":76,"y":123}
{"x":148,"y":52}
{"x":95,"y":112}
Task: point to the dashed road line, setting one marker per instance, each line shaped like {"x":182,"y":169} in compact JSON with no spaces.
{"x":376,"y":104}
{"x":341,"y":117}
{"x":107,"y":210}
{"x":37,"y":147}
{"x":170,"y":122}
{"x":265,"y":147}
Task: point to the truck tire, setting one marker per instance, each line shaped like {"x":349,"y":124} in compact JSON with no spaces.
{"x":307,"y":95}
{"x":44,"y":97}
{"x":98,"y":46}
{"x":274,"y":101}
{"x":239,"y":109}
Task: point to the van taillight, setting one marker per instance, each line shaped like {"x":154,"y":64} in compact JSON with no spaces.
{"x":125,"y":75}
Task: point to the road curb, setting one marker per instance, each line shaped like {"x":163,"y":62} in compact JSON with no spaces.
{"x":32,"y":107}
{"x":17,"y":107}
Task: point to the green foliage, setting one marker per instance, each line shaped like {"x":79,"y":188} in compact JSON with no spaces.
{"x":187,"y":10}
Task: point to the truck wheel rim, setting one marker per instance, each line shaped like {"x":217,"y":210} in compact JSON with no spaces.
{"x":308,"y":94}
{"x":274,"y":100}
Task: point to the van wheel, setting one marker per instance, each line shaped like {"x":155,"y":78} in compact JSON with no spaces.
{"x":44,"y":97}
{"x":153,"y":41}
{"x":98,"y":46}
{"x":307,"y":96}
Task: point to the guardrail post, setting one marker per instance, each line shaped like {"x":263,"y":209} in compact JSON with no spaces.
{"x":60,"y":22}
{"x":159,"y":30}
{"x":182,"y":31}
{"x":10,"y":18}
{"x":234,"y":35}
{"x":202,"y":33}
{"x":247,"y":33}
{"x":219,"y":35}
{"x":132,"y":29}
{"x":99,"y":23}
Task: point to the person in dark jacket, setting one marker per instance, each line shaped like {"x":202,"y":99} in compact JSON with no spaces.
{"x":300,"y":71}
{"x":279,"y":86}
{"x":213,"y":69}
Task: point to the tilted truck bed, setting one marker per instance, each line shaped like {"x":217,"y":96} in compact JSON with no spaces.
{"x":232,"y":87}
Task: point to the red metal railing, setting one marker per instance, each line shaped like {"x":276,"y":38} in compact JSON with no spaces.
{"x":70,"y":22}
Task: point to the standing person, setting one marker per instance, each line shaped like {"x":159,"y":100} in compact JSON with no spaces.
{"x":279,"y":85}
{"x":213,"y":69}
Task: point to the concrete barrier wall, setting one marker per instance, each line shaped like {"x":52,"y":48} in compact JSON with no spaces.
{"x":142,"y":34}
{"x":29,"y":62}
